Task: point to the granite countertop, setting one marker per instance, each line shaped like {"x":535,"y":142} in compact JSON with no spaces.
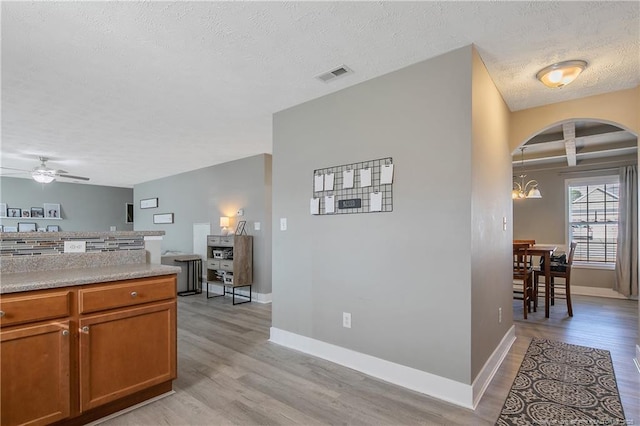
{"x":45,"y":279}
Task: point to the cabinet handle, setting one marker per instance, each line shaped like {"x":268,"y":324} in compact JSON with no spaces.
{"x":134,"y":293}
{"x":1,"y":314}
{"x":85,"y":329}
{"x":65,"y":332}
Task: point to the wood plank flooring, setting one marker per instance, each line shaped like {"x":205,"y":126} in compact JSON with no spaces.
{"x":228,"y":372}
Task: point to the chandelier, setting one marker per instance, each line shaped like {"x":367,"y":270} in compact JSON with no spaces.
{"x":520,"y":188}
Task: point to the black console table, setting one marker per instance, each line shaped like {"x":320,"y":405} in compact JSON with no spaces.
{"x":194,"y":274}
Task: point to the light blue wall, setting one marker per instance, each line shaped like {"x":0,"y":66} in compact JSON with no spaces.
{"x":84,"y":207}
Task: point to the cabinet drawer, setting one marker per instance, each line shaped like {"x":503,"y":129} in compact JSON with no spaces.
{"x":226,"y":265}
{"x":213,"y":240}
{"x":126,"y":293}
{"x":34,"y":307}
{"x":226,"y":241}
{"x":213,"y":264}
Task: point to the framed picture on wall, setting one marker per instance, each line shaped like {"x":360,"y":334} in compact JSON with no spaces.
{"x":26,"y":213}
{"x":128,"y":213}
{"x":14,"y":212}
{"x":37,"y":212}
{"x":149,"y":203}
{"x":10,"y":229}
{"x":163,"y":218}
{"x":52,"y":211}
{"x":27,"y":227}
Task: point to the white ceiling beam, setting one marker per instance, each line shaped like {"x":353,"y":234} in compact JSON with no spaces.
{"x":569,"y":134}
{"x":570,"y":149}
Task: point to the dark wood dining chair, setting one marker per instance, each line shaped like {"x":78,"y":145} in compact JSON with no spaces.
{"x":563,"y":272}
{"x":523,"y":270}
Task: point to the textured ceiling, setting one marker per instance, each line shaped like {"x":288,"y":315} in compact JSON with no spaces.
{"x":126,"y":92}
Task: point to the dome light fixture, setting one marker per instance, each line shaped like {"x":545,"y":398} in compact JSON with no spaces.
{"x":560,"y":74}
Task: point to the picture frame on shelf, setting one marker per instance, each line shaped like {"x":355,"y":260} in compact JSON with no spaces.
{"x":163,"y":218}
{"x":10,"y":228}
{"x":3,"y":209}
{"x":1,"y":228}
{"x":128,"y":214}
{"x":240,"y":227}
{"x":14,"y":212}
{"x":26,"y":213}
{"x":53,"y":228}
{"x":52,"y":211}
{"x":27,"y":227}
{"x":37,"y":211}
{"x":149,"y":203}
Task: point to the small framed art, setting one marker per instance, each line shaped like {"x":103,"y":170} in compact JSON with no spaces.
{"x":163,"y":218}
{"x":53,"y":228}
{"x":52,"y":211}
{"x":149,"y":203}
{"x":14,"y":212}
{"x":37,"y":212}
{"x":27,"y":227}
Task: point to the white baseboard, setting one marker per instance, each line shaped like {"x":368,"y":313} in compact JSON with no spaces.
{"x":637,"y":358}
{"x":596,"y":291}
{"x":490,"y":367}
{"x":244,"y":291}
{"x":420,"y":381}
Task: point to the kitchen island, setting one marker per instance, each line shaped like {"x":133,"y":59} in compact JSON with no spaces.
{"x":79,"y":343}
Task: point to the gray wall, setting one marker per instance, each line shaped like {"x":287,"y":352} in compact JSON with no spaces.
{"x":203,"y":195}
{"x":405,"y":276}
{"x":491,"y":244}
{"x":84,"y":207}
{"x":544,"y":220}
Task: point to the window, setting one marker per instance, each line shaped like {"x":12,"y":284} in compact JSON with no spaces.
{"x":593,"y":218}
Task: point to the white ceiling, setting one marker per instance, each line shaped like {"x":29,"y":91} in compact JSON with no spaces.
{"x":126,"y":92}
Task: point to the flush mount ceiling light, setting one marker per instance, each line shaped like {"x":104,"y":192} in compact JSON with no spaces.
{"x":521,"y":189}
{"x":561,"y":74}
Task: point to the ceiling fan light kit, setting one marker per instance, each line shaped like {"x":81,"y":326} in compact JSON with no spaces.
{"x":43,"y":174}
{"x":562,"y":73}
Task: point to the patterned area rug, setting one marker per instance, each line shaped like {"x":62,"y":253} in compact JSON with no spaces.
{"x":563,"y":384}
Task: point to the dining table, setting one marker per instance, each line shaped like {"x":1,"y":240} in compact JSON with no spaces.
{"x":544,"y":251}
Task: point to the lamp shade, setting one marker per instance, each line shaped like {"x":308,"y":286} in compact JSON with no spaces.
{"x":561,"y":74}
{"x":224,"y":221}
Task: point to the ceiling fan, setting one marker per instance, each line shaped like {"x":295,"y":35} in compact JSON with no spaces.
{"x":44,"y":174}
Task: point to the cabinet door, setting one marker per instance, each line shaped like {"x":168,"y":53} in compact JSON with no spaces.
{"x":126,"y":351}
{"x":34,"y":383}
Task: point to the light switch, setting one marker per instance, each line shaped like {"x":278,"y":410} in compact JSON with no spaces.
{"x":283,"y":223}
{"x":504,"y":223}
{"x":256,"y":226}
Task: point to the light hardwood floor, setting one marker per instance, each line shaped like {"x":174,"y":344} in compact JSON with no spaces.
{"x":228,"y":372}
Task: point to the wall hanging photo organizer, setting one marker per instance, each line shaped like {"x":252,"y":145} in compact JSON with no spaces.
{"x":363,"y":187}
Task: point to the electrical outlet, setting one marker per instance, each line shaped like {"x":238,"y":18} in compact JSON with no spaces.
{"x":346,"y":320}
{"x":499,"y":315}
{"x":256,"y":226}
{"x":283,"y":223}
{"x":75,"y":246}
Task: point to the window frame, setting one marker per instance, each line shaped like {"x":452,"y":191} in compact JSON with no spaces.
{"x":607,"y":179}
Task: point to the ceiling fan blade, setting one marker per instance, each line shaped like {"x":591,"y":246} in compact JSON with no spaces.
{"x":11,"y":168}
{"x":74,"y":177}
{"x":60,"y":172}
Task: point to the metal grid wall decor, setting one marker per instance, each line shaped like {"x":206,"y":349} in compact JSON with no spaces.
{"x":356,"y":199}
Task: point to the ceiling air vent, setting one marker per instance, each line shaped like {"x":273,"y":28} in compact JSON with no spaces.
{"x":334,"y":73}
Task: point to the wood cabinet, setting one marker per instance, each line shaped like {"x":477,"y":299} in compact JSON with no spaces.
{"x":35,"y":374}
{"x":79,"y":353}
{"x":230,"y":261}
